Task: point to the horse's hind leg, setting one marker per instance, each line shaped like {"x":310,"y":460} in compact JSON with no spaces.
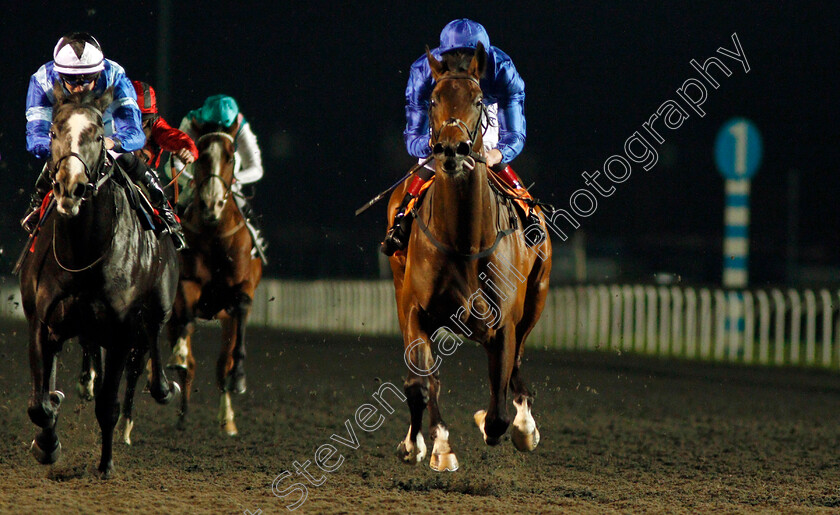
{"x":524,"y":432}
{"x":501,"y":353}
{"x":45,"y":399}
{"x":134,"y":368}
{"x":91,"y":376}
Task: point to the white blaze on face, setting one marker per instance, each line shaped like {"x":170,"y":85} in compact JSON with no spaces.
{"x":213,"y":190}
{"x":72,"y":171}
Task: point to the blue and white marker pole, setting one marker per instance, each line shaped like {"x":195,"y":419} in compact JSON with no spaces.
{"x":737,"y":155}
{"x":738,"y":151}
{"x":736,"y":241}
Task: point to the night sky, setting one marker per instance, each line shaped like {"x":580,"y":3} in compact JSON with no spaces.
{"x":323,"y":88}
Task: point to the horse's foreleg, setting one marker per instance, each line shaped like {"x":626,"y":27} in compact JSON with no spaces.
{"x":107,"y":406}
{"x":501,"y":354}
{"x":134,"y":368}
{"x":418,"y":359}
{"x":524,"y":432}
{"x":442,"y":459}
{"x":224,"y":365}
{"x":236,"y":377}
{"x":45,"y":399}
{"x":162,"y":390}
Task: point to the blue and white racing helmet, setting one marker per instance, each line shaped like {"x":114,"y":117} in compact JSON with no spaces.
{"x":463,"y":33}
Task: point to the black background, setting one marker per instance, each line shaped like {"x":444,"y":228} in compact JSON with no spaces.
{"x":323,"y":87}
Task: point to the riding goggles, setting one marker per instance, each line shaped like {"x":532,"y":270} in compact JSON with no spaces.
{"x":79,"y":80}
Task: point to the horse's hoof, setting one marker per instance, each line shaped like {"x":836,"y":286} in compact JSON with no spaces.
{"x":479,"y":417}
{"x":524,"y":432}
{"x":106,"y":471}
{"x":447,"y":462}
{"x":45,"y":457}
{"x":178,"y":358}
{"x":57,"y":397}
{"x":236,"y":384}
{"x":85,"y":391}
{"x":410,"y":453}
{"x":525,"y":442}
{"x":229,"y":428}
{"x":123,"y":429}
{"x":174,"y":391}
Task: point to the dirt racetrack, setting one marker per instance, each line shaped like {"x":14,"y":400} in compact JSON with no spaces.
{"x":619,"y":434}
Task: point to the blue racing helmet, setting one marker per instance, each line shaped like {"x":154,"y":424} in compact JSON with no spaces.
{"x":463,"y":33}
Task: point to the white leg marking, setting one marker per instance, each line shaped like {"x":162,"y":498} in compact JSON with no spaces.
{"x":524,"y":432}
{"x":124,"y":427}
{"x":409,"y":452}
{"x":479,"y":421}
{"x":178,"y":358}
{"x":226,"y":415}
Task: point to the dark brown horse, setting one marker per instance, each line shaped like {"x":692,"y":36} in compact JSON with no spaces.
{"x":92,"y":272}
{"x":218,"y":273}
{"x":465,"y":273}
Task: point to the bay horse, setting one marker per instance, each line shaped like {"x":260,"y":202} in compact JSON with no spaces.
{"x":218,"y":273}
{"x":93,"y":273}
{"x":465,"y":273}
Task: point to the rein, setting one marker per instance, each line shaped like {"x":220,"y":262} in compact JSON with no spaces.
{"x":454,"y":253}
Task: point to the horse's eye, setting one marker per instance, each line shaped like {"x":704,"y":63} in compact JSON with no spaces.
{"x":52,"y":134}
{"x":478,"y":101}
{"x":433,"y":103}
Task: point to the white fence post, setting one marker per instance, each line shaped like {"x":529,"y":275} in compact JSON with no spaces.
{"x":828,"y":313}
{"x":810,"y":327}
{"x":781,"y":313}
{"x":763,"y":327}
{"x":795,"y":325}
{"x":690,"y":323}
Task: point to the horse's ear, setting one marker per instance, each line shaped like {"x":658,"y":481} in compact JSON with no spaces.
{"x":105,"y":99}
{"x":479,"y":61}
{"x":436,"y":66}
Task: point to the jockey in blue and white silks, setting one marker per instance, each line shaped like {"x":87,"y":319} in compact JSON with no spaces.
{"x":503,"y":137}
{"x":122,"y":119}
{"x":79,"y":65}
{"x":501,"y":85}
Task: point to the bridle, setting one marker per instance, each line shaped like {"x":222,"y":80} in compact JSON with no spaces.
{"x":228,"y":186}
{"x":472,"y":134}
{"x":95,"y":176}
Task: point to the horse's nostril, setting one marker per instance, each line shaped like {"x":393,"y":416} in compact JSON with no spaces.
{"x":79,"y":191}
{"x":438,"y":148}
{"x":463,"y":148}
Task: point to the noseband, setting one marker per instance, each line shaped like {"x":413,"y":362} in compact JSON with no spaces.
{"x":457,"y":122}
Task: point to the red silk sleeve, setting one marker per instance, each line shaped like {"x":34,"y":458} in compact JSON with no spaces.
{"x":172,"y":139}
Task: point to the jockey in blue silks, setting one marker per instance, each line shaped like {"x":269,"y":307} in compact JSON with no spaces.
{"x":79,"y":65}
{"x":504,"y":136}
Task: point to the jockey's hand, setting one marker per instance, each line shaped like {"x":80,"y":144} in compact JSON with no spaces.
{"x":109,"y":143}
{"x":185,"y":156}
{"x":494,"y":157}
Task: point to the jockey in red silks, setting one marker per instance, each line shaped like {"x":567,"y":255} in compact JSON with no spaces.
{"x":504,"y":135}
{"x":160,"y":136}
{"x":79,"y":65}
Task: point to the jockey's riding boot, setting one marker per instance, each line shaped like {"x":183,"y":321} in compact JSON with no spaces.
{"x":42,"y":186}
{"x":506,"y":173}
{"x":164,"y":209}
{"x":252,"y":222}
{"x":397,"y":237}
